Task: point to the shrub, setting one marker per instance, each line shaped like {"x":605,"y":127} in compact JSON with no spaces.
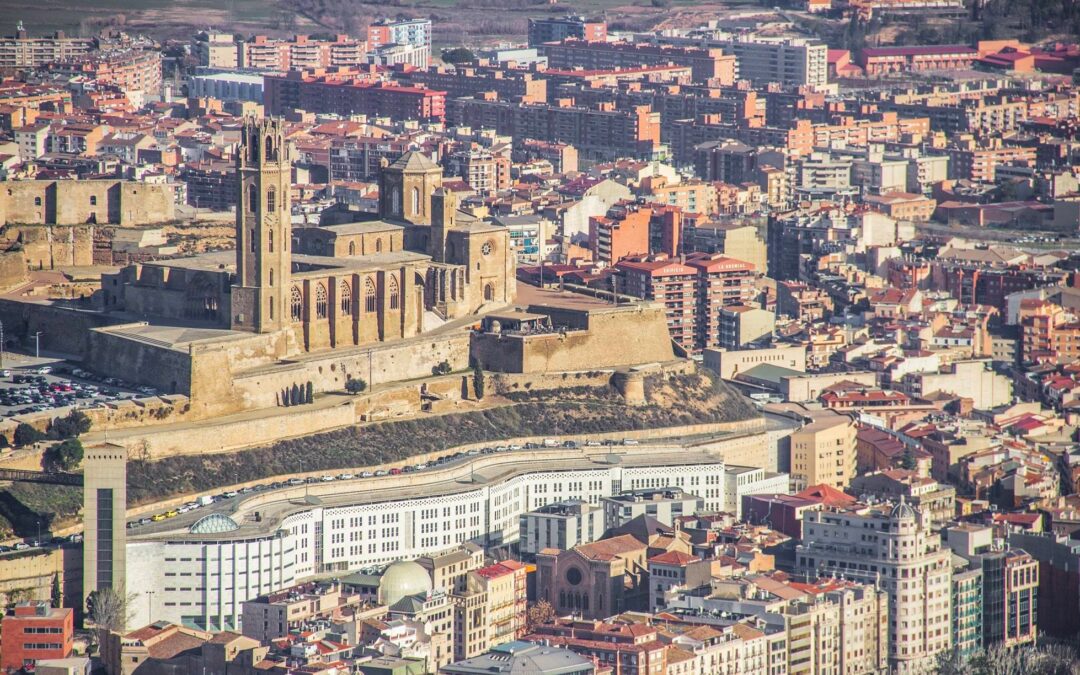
{"x":309,"y":393}
{"x":26,"y":435}
{"x":478,"y":381}
{"x":355,"y":385}
{"x":441,"y":368}
{"x":74,"y":424}
{"x":64,"y":456}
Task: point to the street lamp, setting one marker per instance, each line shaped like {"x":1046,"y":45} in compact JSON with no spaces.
{"x":37,"y":344}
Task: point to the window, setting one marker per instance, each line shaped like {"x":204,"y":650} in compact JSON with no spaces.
{"x":253,"y":198}
{"x":352,"y":248}
{"x":320,"y":301}
{"x":93,"y":200}
{"x":395,"y":201}
{"x":271,"y":199}
{"x":416,"y":200}
{"x":271,"y":277}
{"x":37,"y":201}
{"x":392,"y":289}
{"x":270,"y":239}
{"x":346,"y":298}
{"x":297,"y":304}
{"x":378,"y":245}
{"x":489,"y":292}
{"x":370,"y":300}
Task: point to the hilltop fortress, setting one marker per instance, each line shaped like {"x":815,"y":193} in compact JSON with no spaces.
{"x":382,"y":300}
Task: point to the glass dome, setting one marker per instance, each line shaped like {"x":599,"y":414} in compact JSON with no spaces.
{"x":214,"y":524}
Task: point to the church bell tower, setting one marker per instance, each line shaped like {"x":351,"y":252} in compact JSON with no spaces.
{"x":260,"y":293}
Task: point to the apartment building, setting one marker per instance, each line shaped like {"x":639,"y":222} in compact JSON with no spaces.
{"x":562,"y":525}
{"x":1048,"y":332}
{"x":484,"y":171}
{"x":621,"y":233}
{"x":662,"y":504}
{"x":970,"y":162}
{"x":557,"y":29}
{"x":509,"y":84}
{"x":348,"y":92}
{"x":626,"y":649}
{"x":894,"y":547}
{"x":794,"y":62}
{"x":135,"y":72}
{"x":732,"y":239}
{"x":268,"y":54}
{"x":22,"y":51}
{"x":693,"y":292}
{"x":823,"y":450}
{"x":742,"y":324}
{"x":707,"y":64}
{"x":884,"y":60}
{"x":273,"y":615}
{"x":405,"y":32}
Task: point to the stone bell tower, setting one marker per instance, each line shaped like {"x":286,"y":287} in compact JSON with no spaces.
{"x":260,"y":293}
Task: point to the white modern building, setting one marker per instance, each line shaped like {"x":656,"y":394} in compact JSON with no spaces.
{"x":227,"y":86}
{"x":747,"y":480}
{"x":199,"y":570}
{"x":561,"y":525}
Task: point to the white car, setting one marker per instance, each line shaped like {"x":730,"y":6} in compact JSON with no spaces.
{"x":346,"y":476}
{"x":43,"y":370}
{"x":230,"y":494}
{"x":327,"y":479}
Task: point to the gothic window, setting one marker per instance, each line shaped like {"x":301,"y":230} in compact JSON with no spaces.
{"x":253,"y":198}
{"x":370,"y":300}
{"x":392,"y":289}
{"x":251,"y":235}
{"x":395,"y":201}
{"x":270,"y":239}
{"x":297,"y":304}
{"x":269,"y":150}
{"x":271,"y":200}
{"x":271,"y":308}
{"x":320,"y":301}
{"x":378,"y":245}
{"x":352,"y":248}
{"x":489,"y":292}
{"x":271,"y":277}
{"x":346,"y":298}
{"x":416,"y":200}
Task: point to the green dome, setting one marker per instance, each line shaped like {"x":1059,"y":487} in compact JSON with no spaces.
{"x":400,"y":579}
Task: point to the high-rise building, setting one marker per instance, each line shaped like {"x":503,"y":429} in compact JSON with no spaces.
{"x":893,"y":546}
{"x":823,"y":450}
{"x":406,"y":32}
{"x":22,"y":51}
{"x":104,"y":511}
{"x":560,"y":525}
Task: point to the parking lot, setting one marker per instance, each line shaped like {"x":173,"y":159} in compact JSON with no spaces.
{"x":58,"y":388}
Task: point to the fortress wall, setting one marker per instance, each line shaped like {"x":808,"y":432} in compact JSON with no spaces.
{"x":167,"y":370}
{"x":640,"y":332}
{"x":52,"y":246}
{"x":71,"y":202}
{"x":62,"y":330}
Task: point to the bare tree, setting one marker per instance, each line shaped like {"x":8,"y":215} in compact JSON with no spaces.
{"x":540,"y":612}
{"x":110,"y":608}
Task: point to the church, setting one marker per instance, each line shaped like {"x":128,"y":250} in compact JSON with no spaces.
{"x":421,"y":265}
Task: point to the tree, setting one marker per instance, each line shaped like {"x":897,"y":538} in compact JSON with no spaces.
{"x":309,"y":393}
{"x":27,"y":435}
{"x":109,"y":609}
{"x":57,"y":597}
{"x":64,"y":456}
{"x":355,"y":385}
{"x":907,"y":461}
{"x":294,"y":395}
{"x":458,"y":55}
{"x":539,"y":613}
{"x":478,"y":381}
{"x":441,"y":368}
{"x":75,"y":423}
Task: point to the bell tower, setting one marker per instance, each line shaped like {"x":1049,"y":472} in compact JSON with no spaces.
{"x":263,"y":228}
{"x":443,"y":218}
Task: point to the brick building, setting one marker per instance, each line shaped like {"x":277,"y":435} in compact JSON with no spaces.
{"x":34,"y":631}
{"x":349,"y":92}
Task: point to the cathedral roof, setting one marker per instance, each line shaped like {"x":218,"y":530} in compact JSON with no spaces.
{"x":414,"y":161}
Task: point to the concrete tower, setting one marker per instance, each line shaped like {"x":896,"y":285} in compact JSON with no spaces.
{"x":104,"y":510}
{"x":443,"y":216}
{"x":260,"y":294}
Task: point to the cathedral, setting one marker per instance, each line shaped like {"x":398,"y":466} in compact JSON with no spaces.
{"x":422,"y":264}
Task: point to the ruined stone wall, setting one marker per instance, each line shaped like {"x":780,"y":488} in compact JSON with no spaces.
{"x":62,"y":330}
{"x":48,"y":247}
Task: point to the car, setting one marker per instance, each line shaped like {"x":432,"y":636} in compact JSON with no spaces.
{"x":76,"y":538}
{"x":43,"y":370}
{"x":421,"y":467}
{"x":296,"y":481}
{"x":629,"y":441}
{"x":133,"y":524}
{"x":592,"y":444}
{"x":408,"y":469}
{"x":474,"y":451}
{"x":230,"y":494}
{"x":146,"y":521}
{"x":381,"y":472}
{"x":171,"y":513}
{"x":311,"y":479}
{"x":157,"y":517}
{"x":276,"y":485}
{"x":345,"y":476}
{"x":5,"y":373}
{"x":192,"y":505}
{"x":367,"y":474}
{"x":515,"y":446}
{"x":21,"y":546}
{"x":327,"y":479}
{"x":395,"y":471}
{"x":183,"y":509}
